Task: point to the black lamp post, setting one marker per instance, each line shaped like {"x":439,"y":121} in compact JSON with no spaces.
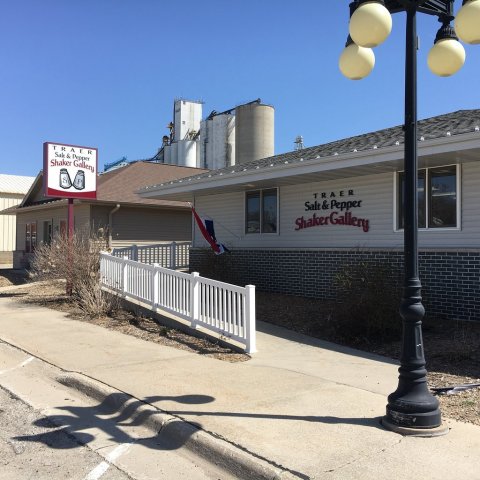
{"x":411,"y":409}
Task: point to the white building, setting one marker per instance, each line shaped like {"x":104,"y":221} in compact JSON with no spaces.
{"x":12,"y":190}
{"x":292,"y":220}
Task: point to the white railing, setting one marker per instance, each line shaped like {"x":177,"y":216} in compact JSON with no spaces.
{"x":227,"y":310}
{"x":173,"y":255}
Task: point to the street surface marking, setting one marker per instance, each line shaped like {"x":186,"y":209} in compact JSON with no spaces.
{"x":25,"y":362}
{"x":102,"y":467}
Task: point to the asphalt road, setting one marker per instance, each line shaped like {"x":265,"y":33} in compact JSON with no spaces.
{"x":50,"y":431}
{"x":31,"y":447}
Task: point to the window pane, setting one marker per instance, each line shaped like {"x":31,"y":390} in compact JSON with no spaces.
{"x":47,"y":232}
{"x":27,"y":238}
{"x":443,"y":197}
{"x":63,"y":228}
{"x":253,"y":213}
{"x":33,"y":229}
{"x":421,"y":198}
{"x":269,"y":213}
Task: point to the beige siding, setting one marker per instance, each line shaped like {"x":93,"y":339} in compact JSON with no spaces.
{"x":377,"y":195}
{"x":144,"y":225}
{"x":55,"y":215}
{"x":7,"y":222}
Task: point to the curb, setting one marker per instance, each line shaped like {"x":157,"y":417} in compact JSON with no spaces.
{"x":233,"y":458}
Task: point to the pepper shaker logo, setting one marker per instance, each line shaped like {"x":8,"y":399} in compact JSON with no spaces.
{"x":65,"y":180}
{"x":79,"y":180}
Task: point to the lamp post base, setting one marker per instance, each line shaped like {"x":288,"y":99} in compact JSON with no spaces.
{"x":414,"y":432}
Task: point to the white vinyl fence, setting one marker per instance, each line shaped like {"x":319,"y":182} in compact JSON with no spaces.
{"x":225,"y":309}
{"x":173,"y":255}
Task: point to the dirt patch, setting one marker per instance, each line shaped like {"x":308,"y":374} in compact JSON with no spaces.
{"x":451,"y":348}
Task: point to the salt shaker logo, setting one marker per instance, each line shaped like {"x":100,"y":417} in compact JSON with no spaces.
{"x":65,"y":180}
{"x":79,"y":180}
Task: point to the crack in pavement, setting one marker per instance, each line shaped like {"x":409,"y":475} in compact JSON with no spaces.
{"x":356,"y":460}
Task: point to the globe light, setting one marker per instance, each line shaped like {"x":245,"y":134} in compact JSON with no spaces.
{"x":467,"y":22}
{"x":447,"y":55}
{"x":370,"y":24}
{"x":356,"y":62}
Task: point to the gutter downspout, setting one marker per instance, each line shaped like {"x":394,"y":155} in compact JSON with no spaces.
{"x":110,"y":224}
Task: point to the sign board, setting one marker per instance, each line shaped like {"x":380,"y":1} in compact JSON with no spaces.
{"x":334,"y":208}
{"x":69,"y":171}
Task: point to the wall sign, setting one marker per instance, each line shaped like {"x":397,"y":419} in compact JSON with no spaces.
{"x":69,"y":171}
{"x":335,"y":209}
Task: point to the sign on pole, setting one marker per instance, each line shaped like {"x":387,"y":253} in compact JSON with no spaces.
{"x":69,"y":171}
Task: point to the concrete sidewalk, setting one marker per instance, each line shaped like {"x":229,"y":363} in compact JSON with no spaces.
{"x":307,"y":408}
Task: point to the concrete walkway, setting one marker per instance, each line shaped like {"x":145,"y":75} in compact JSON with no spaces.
{"x":307,"y":408}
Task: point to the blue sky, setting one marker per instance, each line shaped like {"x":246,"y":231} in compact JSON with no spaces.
{"x":104,"y":73}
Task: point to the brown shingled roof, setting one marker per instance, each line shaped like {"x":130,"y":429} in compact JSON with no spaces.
{"x":120,"y":185}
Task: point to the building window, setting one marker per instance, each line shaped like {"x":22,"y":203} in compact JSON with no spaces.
{"x":63,"y":228}
{"x":30,"y":237}
{"x":47,"y":231}
{"x":261,"y":211}
{"x":437,"y":197}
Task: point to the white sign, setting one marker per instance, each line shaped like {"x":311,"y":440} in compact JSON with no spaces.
{"x":69,"y":171}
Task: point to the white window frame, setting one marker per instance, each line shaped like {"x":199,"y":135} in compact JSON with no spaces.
{"x":427,"y":206}
{"x":261,"y":190}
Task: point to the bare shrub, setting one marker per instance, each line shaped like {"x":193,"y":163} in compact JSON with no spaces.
{"x":77,"y":261}
{"x":368,"y":301}
{"x":95,"y":302}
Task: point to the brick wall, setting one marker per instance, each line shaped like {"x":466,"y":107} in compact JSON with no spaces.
{"x":450,"y":279}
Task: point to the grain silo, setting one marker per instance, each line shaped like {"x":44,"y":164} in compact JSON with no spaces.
{"x":187,"y":153}
{"x":254,"y":131}
{"x":167,"y":154}
{"x":217,"y":140}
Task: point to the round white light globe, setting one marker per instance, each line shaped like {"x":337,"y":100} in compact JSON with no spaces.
{"x":356,"y":62}
{"x":467,"y":23}
{"x":370,"y":24}
{"x":446,"y":57}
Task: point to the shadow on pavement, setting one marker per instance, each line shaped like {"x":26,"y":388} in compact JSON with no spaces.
{"x":102,"y":416}
{"x":172,"y":435}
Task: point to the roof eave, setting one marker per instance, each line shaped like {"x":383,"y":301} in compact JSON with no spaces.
{"x":368,"y":159}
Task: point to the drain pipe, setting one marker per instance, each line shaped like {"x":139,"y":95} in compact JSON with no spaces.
{"x":110,"y":225}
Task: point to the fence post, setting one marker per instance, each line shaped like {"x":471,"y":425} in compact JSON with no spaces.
{"x":250,"y":327}
{"x":105,"y":270}
{"x":135,"y":253}
{"x":173,"y":255}
{"x":186,"y":264}
{"x":125,"y":279}
{"x":155,"y":286}
{"x":194,"y":299}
